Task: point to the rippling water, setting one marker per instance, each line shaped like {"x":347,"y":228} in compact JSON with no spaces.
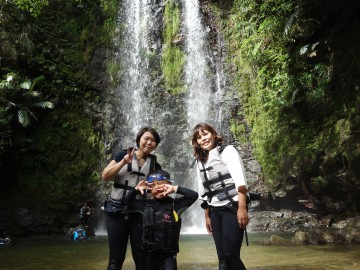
{"x":197,"y":252}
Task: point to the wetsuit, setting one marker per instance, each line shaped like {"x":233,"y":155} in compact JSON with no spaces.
{"x":162,"y":231}
{"x":222,"y":174}
{"x":124,"y":218}
{"x":84,"y":215}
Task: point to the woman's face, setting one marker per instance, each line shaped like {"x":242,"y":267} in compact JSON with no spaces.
{"x":206,"y":140}
{"x":147,"y":143}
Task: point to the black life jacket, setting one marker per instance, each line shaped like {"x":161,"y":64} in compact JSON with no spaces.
{"x":161,"y":229}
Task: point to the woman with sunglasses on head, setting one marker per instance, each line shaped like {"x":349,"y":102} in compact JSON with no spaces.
{"x":124,"y":218}
{"x":222,"y":173}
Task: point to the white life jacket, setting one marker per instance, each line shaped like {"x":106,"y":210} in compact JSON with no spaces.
{"x":216,"y":178}
{"x":129,"y":176}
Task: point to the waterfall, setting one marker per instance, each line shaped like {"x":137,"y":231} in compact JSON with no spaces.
{"x":198,"y":84}
{"x":196,"y":69}
{"x":139,"y":98}
{"x":134,"y":24}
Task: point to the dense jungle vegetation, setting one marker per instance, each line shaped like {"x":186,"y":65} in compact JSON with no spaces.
{"x":296,"y":68}
{"x":49,"y":149}
{"x":295,"y":64}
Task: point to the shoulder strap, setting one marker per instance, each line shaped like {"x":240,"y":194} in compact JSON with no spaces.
{"x":222,"y":147}
{"x":129,"y":166}
{"x":152,"y":162}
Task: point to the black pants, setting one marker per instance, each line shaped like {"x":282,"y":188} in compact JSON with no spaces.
{"x":119,"y":230}
{"x":155,"y":261}
{"x":228,"y":239}
{"x":84,"y":220}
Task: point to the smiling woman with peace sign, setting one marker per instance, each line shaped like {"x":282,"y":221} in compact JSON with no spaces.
{"x":124,"y":217}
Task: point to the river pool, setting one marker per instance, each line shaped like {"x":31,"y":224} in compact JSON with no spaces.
{"x":197,"y":252}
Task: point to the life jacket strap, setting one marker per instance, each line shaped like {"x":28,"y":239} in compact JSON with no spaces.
{"x":122,"y":186}
{"x":138,"y":173}
{"x":206,"y":169}
{"x":217,"y":191}
{"x":216,"y":180}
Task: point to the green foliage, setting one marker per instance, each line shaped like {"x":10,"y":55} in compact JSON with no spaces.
{"x":110,"y":9}
{"x":52,"y":164}
{"x":64,"y":145}
{"x":173,"y":58}
{"x":19,"y":97}
{"x":291,"y":83}
{"x":33,"y":6}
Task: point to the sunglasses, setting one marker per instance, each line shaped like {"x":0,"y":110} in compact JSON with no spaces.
{"x":158,"y":177}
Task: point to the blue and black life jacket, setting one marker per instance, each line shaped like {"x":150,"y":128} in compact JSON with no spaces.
{"x":79,"y":234}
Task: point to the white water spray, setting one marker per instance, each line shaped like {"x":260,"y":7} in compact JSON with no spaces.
{"x":134,"y":22}
{"x":198,"y":81}
{"x":196,"y":69}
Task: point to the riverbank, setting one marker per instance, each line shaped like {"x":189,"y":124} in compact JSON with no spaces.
{"x":307,"y":228}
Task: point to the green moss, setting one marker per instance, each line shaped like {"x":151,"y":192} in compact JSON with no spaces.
{"x":238,"y":129}
{"x":172,"y":64}
{"x":172,"y":58}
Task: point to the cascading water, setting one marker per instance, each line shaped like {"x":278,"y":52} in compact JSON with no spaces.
{"x":134,"y":24}
{"x":196,"y":69}
{"x":199,"y":86}
{"x":139,"y":99}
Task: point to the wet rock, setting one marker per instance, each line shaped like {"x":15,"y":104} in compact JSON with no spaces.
{"x":308,"y":228}
{"x":277,"y":240}
{"x":338,"y":233}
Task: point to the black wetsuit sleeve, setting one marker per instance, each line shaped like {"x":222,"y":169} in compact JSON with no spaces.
{"x":184,"y":202}
{"x":157,"y":166}
{"x":119,"y":156}
{"x":131,"y":195}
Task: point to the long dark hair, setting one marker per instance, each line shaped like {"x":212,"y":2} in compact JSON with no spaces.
{"x":146,"y":129}
{"x":200,"y":153}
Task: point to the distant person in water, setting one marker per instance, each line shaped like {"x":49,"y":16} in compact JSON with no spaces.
{"x":6,"y":239}
{"x":162,"y":219}
{"x":124,"y":218}
{"x":221,"y":172}
{"x":85,"y":214}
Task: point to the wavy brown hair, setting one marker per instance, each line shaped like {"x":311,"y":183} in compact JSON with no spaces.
{"x":200,"y":153}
